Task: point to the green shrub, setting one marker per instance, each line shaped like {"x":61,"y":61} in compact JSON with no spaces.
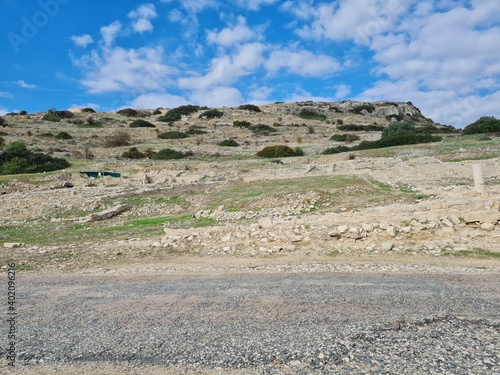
{"x":128,"y":112}
{"x":211,"y":114}
{"x":242,"y":124}
{"x":344,"y":137}
{"x":157,"y":111}
{"x":169,"y":154}
{"x":335,"y":150}
{"x":133,"y":153}
{"x":51,"y":117}
{"x":63,"y":135}
{"x":357,"y":128}
{"x":298,"y":151}
{"x":250,"y":107}
{"x":261,"y":129}
{"x":391,"y":118}
{"x":3,"y":122}
{"x":173,"y":135}
{"x":486,"y":124}
{"x":398,"y":139}
{"x":367,"y":106}
{"x":311,"y":115}
{"x":141,"y":124}
{"x":23,"y":113}
{"x":16,"y":159}
{"x":396,"y":128}
{"x":175,"y":114}
{"x":279,"y":151}
{"x":2,"y":143}
{"x":228,"y":143}
{"x":47,"y":135}
{"x":195,"y":130}
{"x":88,"y":110}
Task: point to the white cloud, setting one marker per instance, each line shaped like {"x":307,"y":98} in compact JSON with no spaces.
{"x":303,"y":63}
{"x":260,"y":95}
{"x":357,"y":20}
{"x":142,"y":16}
{"x":155,"y":100}
{"x":82,"y":40}
{"x":110,"y":32}
{"x":441,"y":61}
{"x":123,"y":70}
{"x":3,"y":111}
{"x":254,"y":4}
{"x":342,"y":91}
{"x":4,"y":94}
{"x":227,"y":69}
{"x":303,"y":95}
{"x":302,"y":9}
{"x":230,"y":36}
{"x":219,"y":96}
{"x":24,"y":85}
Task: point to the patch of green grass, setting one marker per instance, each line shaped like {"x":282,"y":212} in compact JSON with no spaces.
{"x":481,"y":157}
{"x":475,"y":253}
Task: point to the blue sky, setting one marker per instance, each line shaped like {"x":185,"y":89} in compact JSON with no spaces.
{"x":444,"y":55}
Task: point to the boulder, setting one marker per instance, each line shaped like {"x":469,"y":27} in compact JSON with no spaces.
{"x":484,"y":216}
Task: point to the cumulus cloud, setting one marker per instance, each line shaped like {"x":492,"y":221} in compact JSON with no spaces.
{"x":356,"y":20}
{"x":341,"y":91}
{"x":227,"y":69}
{"x":443,"y":59}
{"x":110,"y":32}
{"x":230,"y":36}
{"x":118,"y":70}
{"x":82,"y":40}
{"x":254,"y":4}
{"x":24,"y":85}
{"x":218,"y":96}
{"x":155,"y":100}
{"x":303,"y":63}
{"x":141,"y":18}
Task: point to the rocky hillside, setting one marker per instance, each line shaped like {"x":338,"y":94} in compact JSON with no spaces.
{"x":83,"y":134}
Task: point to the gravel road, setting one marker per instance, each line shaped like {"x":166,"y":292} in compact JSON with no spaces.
{"x":258,"y":323}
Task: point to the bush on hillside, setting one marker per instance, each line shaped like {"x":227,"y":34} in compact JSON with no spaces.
{"x":169,"y":154}
{"x":242,"y":124}
{"x":344,"y":137}
{"x":128,"y":112}
{"x":16,"y":159}
{"x":250,"y":107}
{"x":23,"y":113}
{"x":3,"y":122}
{"x":261,"y":129}
{"x":357,"y":128}
{"x":279,"y":151}
{"x":335,"y":150}
{"x":397,"y":128}
{"x":486,"y":124}
{"x":63,"y":135}
{"x":211,"y":114}
{"x":311,"y":115}
{"x":173,"y":135}
{"x":367,"y":107}
{"x":88,"y":110}
{"x":141,"y":124}
{"x":133,"y":153}
{"x":228,"y":143}
{"x":175,"y":114}
{"x":51,"y":117}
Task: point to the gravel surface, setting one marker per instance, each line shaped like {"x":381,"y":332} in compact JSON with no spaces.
{"x":260,"y":323}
